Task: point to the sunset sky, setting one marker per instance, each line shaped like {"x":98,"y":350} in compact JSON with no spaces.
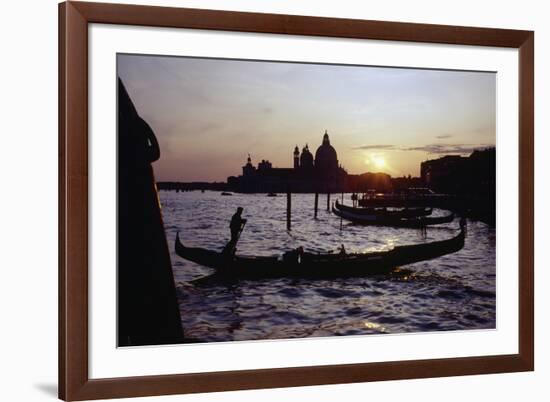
{"x":208,"y":114}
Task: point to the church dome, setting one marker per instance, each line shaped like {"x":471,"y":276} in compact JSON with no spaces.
{"x":325,"y":156}
{"x":306,"y":159}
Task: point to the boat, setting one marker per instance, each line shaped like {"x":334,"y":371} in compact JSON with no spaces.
{"x":380,"y":220}
{"x":227,"y":193}
{"x":272,"y":194}
{"x":317,"y":266}
{"x":407,"y":198}
{"x":396,"y":213}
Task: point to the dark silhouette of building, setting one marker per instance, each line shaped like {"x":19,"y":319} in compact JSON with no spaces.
{"x":456,"y":174}
{"x":402,"y":184}
{"x":322,"y":173}
{"x":364,"y":182}
{"x":472,"y":180}
{"x":306,"y":160}
{"x":326,"y":159}
{"x":443,"y":174}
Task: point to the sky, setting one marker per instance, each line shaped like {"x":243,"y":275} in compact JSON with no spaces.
{"x":209,"y":114}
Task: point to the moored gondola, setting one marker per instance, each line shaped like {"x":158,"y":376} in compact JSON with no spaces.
{"x":311,"y":265}
{"x":380,"y":220}
{"x":384,"y":212}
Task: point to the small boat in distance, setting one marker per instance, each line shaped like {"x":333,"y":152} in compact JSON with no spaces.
{"x":227,"y":193}
{"x":317,"y":266}
{"x":395,"y":213}
{"x":410,"y":197}
{"x":381,"y":220}
{"x":272,"y":194}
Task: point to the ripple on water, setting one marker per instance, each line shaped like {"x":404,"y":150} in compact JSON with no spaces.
{"x":334,"y":293}
{"x":449,"y":293}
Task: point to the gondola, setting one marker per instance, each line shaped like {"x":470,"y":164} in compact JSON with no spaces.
{"x":324,"y":265}
{"x":397,"y":213}
{"x":378,"y":220}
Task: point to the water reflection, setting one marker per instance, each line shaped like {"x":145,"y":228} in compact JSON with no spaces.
{"x":453,"y":292}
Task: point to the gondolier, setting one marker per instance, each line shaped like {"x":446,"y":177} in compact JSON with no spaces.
{"x":354,"y":198}
{"x":236,"y":225}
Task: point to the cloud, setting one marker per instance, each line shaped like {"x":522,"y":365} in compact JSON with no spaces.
{"x":365,"y":147}
{"x":448,"y":148}
{"x":442,"y":137}
{"x":461,"y":149}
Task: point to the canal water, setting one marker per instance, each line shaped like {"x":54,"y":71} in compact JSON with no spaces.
{"x":453,"y":292}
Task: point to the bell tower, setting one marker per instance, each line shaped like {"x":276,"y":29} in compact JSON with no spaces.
{"x":296,"y":157}
{"x":249,"y":169}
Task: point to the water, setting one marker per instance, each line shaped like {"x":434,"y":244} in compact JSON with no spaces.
{"x":453,"y":292}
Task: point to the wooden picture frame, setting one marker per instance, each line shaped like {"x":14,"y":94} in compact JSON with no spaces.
{"x":74,"y":381}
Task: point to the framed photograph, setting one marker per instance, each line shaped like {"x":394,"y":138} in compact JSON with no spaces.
{"x":260,"y":200}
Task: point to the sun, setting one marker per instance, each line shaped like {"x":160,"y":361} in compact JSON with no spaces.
{"x":376,"y":161}
{"x":379,"y":162}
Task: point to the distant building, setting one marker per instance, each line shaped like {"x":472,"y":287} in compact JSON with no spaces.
{"x":362,"y":183}
{"x":460,"y":174}
{"x":308,"y":174}
{"x":326,"y":159}
{"x":442,"y":172}
{"x":401,"y":184}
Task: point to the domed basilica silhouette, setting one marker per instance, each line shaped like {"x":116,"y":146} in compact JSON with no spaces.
{"x":321,"y":173}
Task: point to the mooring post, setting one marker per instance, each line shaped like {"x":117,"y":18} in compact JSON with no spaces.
{"x":341,"y":220}
{"x":148,"y":312}
{"x":316,"y":204}
{"x":328,"y":201}
{"x":288,"y":208}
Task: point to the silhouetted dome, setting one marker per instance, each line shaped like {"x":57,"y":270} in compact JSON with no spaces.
{"x":325,"y":156}
{"x":306,"y":159}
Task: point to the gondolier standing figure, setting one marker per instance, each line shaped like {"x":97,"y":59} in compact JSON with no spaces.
{"x":236,"y":226}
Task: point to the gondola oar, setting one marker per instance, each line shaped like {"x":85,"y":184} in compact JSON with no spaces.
{"x":239,"y":234}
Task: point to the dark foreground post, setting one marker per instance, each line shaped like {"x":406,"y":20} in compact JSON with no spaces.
{"x":148,"y":312}
{"x":328,"y":201}
{"x":288,"y":208}
{"x":316,"y":205}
